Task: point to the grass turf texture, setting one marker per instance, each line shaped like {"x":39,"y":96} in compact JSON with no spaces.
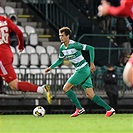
{"x":61,"y":123}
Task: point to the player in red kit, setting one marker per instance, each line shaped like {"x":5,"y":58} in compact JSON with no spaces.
{"x":126,"y":10}
{"x":7,"y":71}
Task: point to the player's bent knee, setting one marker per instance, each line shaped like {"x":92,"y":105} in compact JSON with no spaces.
{"x":67,"y":87}
{"x":90,"y":93}
{"x":13,"y":84}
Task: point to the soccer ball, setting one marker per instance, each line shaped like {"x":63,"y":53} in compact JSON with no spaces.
{"x":39,"y":111}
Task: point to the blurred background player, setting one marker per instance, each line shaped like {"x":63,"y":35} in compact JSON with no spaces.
{"x":126,"y":10}
{"x":7,"y":71}
{"x":71,"y":50}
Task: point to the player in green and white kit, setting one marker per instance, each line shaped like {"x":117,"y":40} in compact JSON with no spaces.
{"x":71,"y":50}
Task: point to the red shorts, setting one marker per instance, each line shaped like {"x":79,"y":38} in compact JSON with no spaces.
{"x":7,"y":72}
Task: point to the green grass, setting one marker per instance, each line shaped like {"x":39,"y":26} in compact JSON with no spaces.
{"x":61,"y":123}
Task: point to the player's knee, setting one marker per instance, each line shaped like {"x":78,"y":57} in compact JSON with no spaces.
{"x":90,"y":93}
{"x":65,"y":89}
{"x":13,"y":87}
{"x":13,"y":84}
{"x":90,"y":96}
{"x":67,"y":86}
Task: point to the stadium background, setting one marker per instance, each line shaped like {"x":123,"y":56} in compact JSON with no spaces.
{"x":39,"y":21}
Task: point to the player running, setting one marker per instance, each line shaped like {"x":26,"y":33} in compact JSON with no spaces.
{"x":72,"y":51}
{"x":7,"y":71}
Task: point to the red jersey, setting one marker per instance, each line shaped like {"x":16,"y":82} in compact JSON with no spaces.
{"x":7,"y":26}
{"x":125,"y":9}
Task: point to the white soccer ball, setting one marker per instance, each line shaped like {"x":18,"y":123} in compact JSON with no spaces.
{"x":39,"y":111}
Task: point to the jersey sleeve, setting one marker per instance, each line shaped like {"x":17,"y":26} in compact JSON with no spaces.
{"x":61,"y":55}
{"x":18,"y":32}
{"x":123,"y":10}
{"x":56,"y":63}
{"x":89,"y":48}
{"x":59,"y":60}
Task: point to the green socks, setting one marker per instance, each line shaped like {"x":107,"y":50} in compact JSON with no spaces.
{"x":99,"y":101}
{"x":71,"y":95}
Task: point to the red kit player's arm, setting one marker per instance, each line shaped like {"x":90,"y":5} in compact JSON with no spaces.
{"x":18,"y":32}
{"x":123,"y":10}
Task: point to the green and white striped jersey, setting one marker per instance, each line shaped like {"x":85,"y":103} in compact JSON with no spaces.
{"x":74,"y":55}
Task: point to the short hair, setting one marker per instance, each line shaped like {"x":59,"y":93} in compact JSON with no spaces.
{"x":13,"y":18}
{"x":66,"y":30}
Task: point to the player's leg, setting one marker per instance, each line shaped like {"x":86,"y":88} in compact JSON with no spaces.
{"x":28,"y":87}
{"x":10,"y":77}
{"x":74,"y":80}
{"x":99,"y":101}
{"x":87,"y":86}
{"x":72,"y":96}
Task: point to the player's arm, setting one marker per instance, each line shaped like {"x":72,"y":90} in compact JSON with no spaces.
{"x":92,"y":55}
{"x":56,"y":63}
{"x":122,"y":10}
{"x":59,"y":60}
{"x":91,"y":52}
{"x":85,"y":47}
{"x":18,"y":32}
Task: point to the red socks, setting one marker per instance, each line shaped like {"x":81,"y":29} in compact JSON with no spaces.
{"x":25,"y":86}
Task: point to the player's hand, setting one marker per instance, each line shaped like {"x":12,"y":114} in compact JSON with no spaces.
{"x":92,"y":67}
{"x":103,"y":8}
{"x":47,"y":70}
{"x":20,"y":50}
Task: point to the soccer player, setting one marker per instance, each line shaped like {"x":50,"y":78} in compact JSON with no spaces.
{"x":7,"y":71}
{"x":72,"y":51}
{"x":126,"y":10}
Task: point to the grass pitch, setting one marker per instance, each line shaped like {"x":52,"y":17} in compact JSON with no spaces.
{"x":63,"y":123}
